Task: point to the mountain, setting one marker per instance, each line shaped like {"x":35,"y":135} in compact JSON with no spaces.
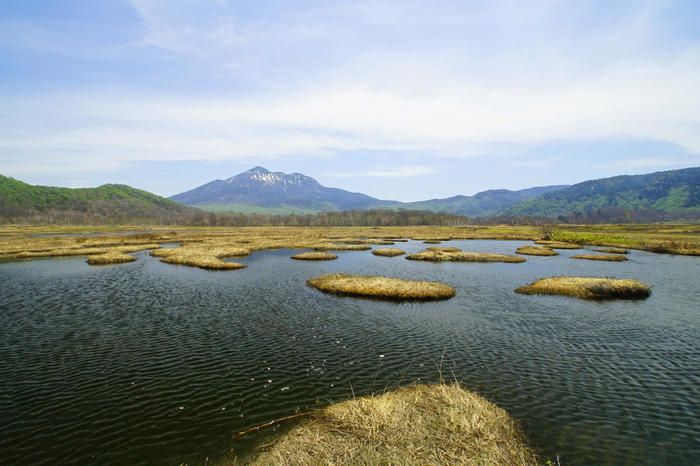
{"x":667,"y":191}
{"x":22,"y":200}
{"x":484,"y":203}
{"x":263,"y":188}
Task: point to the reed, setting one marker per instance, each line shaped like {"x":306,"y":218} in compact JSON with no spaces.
{"x":381,"y":287}
{"x":441,"y":256}
{"x":420,"y":424}
{"x":315,"y":256}
{"x":601,"y":257}
{"x":444,"y":249}
{"x":109,"y":258}
{"x":388,"y":252}
{"x":588,"y":288}
{"x":612,"y":250}
{"x":342,"y":247}
{"x":558,"y":244}
{"x":536,"y":251}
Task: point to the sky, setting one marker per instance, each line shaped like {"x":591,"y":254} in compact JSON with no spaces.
{"x":405,"y":100}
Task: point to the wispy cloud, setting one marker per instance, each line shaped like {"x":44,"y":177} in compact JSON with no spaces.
{"x":394,"y":172}
{"x":237,"y":82}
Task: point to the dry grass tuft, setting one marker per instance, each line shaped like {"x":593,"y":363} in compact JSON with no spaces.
{"x":558,"y":244}
{"x":202,"y":255}
{"x":444,"y":249}
{"x":601,"y":257}
{"x":441,"y":256}
{"x":109,"y":258}
{"x":421,"y":424}
{"x":536,"y":251}
{"x":388,"y":252}
{"x":315,"y":256}
{"x":381,"y":287}
{"x":612,"y":250}
{"x":432,"y":241}
{"x":342,"y":247}
{"x":588,"y":288}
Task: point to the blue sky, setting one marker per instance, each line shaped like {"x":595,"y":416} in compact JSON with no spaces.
{"x":401,"y":100}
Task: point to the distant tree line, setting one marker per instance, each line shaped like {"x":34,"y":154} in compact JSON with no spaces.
{"x":117,"y":212}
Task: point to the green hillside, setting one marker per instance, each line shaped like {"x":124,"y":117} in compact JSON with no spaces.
{"x":668,"y":191}
{"x":19,"y":199}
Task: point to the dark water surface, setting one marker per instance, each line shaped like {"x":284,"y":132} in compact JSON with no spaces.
{"x":153,"y":363}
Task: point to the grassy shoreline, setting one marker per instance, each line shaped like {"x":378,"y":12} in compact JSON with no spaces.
{"x":208,"y":246}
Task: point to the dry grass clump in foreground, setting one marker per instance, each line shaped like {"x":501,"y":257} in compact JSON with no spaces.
{"x":536,"y":251}
{"x":315,"y":256}
{"x":588,"y":288}
{"x":111,"y":257}
{"x":388,"y":252}
{"x":381,"y":287}
{"x":441,"y":256}
{"x":612,"y":250}
{"x":422,"y":424}
{"x":558,"y":244}
{"x":601,"y":257}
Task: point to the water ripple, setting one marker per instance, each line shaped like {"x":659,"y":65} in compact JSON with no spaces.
{"x":149,"y":363}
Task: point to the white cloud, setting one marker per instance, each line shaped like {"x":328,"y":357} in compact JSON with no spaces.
{"x":394,"y":172}
{"x":447,"y":93}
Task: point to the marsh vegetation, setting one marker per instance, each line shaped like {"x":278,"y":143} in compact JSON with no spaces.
{"x":536,"y":251}
{"x":601,"y":257}
{"x":588,"y":288}
{"x":388,"y":252}
{"x":421,"y":424}
{"x":459,"y":256}
{"x":315,"y":256}
{"x":381,"y":287}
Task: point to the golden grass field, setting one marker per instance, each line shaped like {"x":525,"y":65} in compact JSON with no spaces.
{"x":388,"y":252}
{"x":381,"y":287}
{"x":588,"y":288}
{"x":441,"y":256}
{"x":601,"y":257}
{"x":421,"y":424}
{"x":558,"y":244}
{"x":612,"y":250}
{"x":536,"y":251}
{"x":315,"y":256}
{"x":206,"y":247}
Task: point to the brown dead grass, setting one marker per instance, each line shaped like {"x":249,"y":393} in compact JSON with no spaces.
{"x":444,"y":249}
{"x":381,"y":287}
{"x":421,"y":424}
{"x":342,"y":247}
{"x":558,"y":244}
{"x":536,"y":251}
{"x":315,"y":256}
{"x":432,"y":241}
{"x":601,"y":257}
{"x":588,"y":288}
{"x":109,"y":258}
{"x":612,"y":250}
{"x":388,"y":252}
{"x":200,"y":243}
{"x":441,"y":256}
{"x":203,"y":255}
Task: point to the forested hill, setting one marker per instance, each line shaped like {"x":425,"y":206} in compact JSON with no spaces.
{"x":667,"y":191}
{"x":20,"y":200}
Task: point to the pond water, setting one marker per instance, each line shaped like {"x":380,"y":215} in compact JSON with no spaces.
{"x":150,"y":363}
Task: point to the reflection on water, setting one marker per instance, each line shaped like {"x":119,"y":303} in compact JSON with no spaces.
{"x":153,"y":363}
